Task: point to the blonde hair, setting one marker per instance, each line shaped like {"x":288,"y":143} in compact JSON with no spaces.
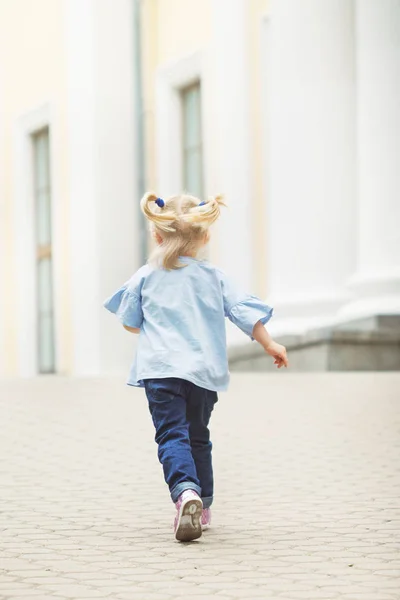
{"x":182,"y":222}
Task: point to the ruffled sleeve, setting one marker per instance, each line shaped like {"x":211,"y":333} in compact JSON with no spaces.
{"x":243,"y":309}
{"x":246,"y":314}
{"x":127,"y":306}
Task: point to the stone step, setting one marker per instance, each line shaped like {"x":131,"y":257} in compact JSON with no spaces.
{"x":371,"y":344}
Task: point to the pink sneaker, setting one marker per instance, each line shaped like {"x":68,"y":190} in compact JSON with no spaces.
{"x":206,"y":519}
{"x":188,"y":519}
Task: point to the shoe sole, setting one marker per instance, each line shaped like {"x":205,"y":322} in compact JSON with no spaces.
{"x":189,"y":521}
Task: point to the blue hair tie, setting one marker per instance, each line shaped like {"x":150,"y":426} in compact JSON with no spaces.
{"x":160,"y":202}
{"x":202,"y":203}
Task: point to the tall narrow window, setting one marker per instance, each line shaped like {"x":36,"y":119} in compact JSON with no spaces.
{"x":44,"y":278}
{"x":192,"y":140}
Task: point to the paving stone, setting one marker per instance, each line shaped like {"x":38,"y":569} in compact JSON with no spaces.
{"x":370,"y":596}
{"x":309,"y":595}
{"x":73,"y":591}
{"x":32,"y":595}
{"x":48,"y":580}
{"x":17,"y":592}
{"x":246,"y":594}
{"x":9,"y":586}
{"x":139,"y":596}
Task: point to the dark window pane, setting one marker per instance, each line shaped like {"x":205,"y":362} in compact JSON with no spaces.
{"x":44,"y":278}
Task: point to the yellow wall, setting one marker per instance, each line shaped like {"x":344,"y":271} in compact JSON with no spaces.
{"x":184,"y":26}
{"x":32,"y":73}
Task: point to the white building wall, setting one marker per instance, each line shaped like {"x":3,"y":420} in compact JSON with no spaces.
{"x":104,"y":207}
{"x":232,"y":137}
{"x":311,"y":155}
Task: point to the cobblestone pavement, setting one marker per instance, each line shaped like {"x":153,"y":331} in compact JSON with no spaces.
{"x":307,"y":495}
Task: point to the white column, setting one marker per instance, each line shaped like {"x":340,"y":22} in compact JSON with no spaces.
{"x":311,"y":153}
{"x":377,"y":283}
{"x":104,"y":207}
{"x":231,"y":137}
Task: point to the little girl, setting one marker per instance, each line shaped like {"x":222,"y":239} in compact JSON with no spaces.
{"x":177,"y":305}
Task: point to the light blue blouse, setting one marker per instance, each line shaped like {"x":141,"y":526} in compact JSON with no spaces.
{"x":181,"y":317}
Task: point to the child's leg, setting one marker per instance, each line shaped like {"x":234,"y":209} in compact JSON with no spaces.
{"x":167,"y":403}
{"x":199,"y":408}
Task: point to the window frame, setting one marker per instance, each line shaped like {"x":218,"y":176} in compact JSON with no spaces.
{"x":171,"y":78}
{"x":24,"y":224}
{"x":198,"y":146}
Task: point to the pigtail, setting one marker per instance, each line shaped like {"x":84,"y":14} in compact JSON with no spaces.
{"x":205,"y":213}
{"x":155,"y":210}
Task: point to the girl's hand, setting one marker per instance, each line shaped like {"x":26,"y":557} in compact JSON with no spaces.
{"x":261,"y":335}
{"x":278,"y":352}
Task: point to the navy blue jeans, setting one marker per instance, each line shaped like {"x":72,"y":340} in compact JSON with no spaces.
{"x":181,"y":412}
